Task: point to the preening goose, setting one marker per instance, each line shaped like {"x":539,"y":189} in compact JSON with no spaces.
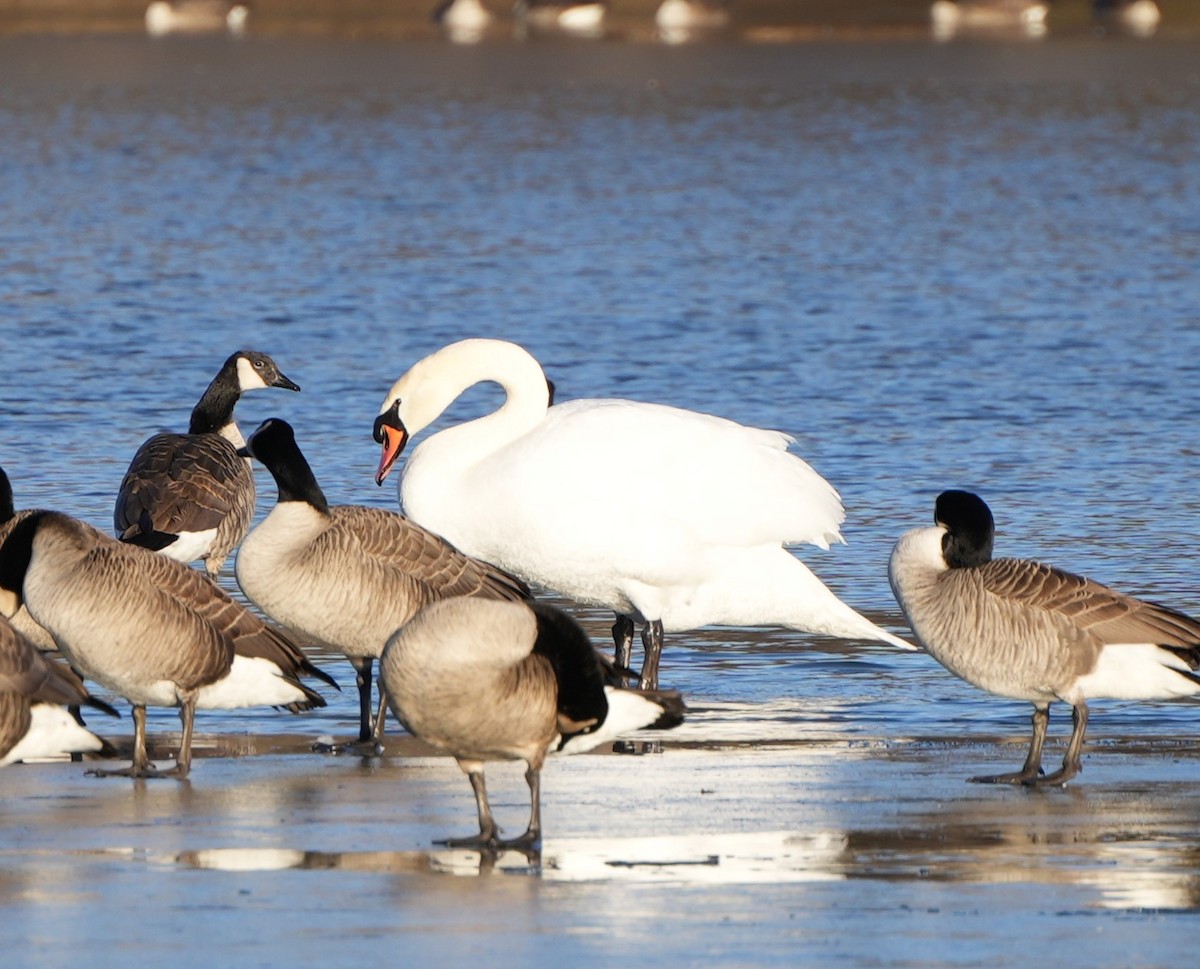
{"x":148,"y":628}
{"x":33,"y":692}
{"x":16,"y":612}
{"x":696,"y":537}
{"x":189,"y":495}
{"x":348,"y":575}
{"x":1028,"y":631}
{"x":490,"y":680}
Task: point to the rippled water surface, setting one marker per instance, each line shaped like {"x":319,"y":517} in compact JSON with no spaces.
{"x":936,"y":266}
{"x":968,"y":265}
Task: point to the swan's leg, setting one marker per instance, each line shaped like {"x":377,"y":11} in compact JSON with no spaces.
{"x":652,"y":639}
{"x":622,"y":633}
{"x":1072,"y":762}
{"x":487,"y":825}
{"x":1033,"y":760}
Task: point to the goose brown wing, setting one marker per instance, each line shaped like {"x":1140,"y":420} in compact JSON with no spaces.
{"x":246,"y":634}
{"x":426,"y":558}
{"x":183,"y":483}
{"x":1108,"y":615}
{"x":183,"y":616}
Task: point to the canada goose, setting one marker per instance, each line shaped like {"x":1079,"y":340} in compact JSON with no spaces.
{"x":1028,"y":631}
{"x":698,"y":538}
{"x":33,"y":691}
{"x":148,"y":628}
{"x":348,"y":575}
{"x":189,"y":495}
{"x":492,"y":680}
{"x":195,"y":16}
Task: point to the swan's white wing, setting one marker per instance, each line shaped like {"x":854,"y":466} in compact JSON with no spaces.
{"x":724,"y":483}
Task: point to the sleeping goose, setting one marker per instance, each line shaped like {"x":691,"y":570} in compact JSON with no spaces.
{"x":491,"y":680}
{"x":348,"y":575}
{"x":1029,"y":631}
{"x":33,"y":692}
{"x":698,"y":537}
{"x":189,"y":495}
{"x":148,"y":628}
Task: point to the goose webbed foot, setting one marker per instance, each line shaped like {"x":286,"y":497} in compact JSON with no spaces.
{"x":142,"y":771}
{"x":637,"y":747}
{"x":1016,"y":777}
{"x":354,"y":748}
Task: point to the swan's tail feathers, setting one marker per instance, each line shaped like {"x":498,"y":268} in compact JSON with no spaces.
{"x":629,"y":711}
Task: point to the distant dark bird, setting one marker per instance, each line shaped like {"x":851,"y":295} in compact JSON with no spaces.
{"x":148,"y":628}
{"x":189,"y":495}
{"x":1028,"y":631}
{"x":489,"y":680}
{"x":348,"y":575}
{"x":33,"y":693}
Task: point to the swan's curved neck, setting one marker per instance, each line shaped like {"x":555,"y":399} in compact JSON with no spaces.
{"x":441,"y":378}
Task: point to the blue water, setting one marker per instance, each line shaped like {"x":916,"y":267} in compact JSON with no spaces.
{"x":937,"y":266}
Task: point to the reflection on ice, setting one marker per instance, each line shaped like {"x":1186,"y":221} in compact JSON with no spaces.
{"x":694,"y":859}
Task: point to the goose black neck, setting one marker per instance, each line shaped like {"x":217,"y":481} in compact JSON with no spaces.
{"x":214,"y":410}
{"x":16,"y":552}
{"x":7,"y":510}
{"x":294,"y":478}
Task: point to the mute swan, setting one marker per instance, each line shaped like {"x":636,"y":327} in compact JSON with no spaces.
{"x":491,"y":680}
{"x":347,"y":574}
{"x":189,"y":495}
{"x":148,"y":628}
{"x":33,"y":691}
{"x":1028,"y":631}
{"x":695,"y":538}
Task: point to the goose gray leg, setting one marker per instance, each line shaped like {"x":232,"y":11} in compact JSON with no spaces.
{"x":142,"y":765}
{"x":1033,"y":760}
{"x":1072,"y":761}
{"x":362,"y":677}
{"x":487,"y":825}
{"x":533,"y":834}
{"x":380,"y":723}
{"x":652,"y":640}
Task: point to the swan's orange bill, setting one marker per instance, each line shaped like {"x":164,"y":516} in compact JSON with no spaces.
{"x":394,"y":440}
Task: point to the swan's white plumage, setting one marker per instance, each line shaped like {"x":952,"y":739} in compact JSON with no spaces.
{"x":650,"y":510}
